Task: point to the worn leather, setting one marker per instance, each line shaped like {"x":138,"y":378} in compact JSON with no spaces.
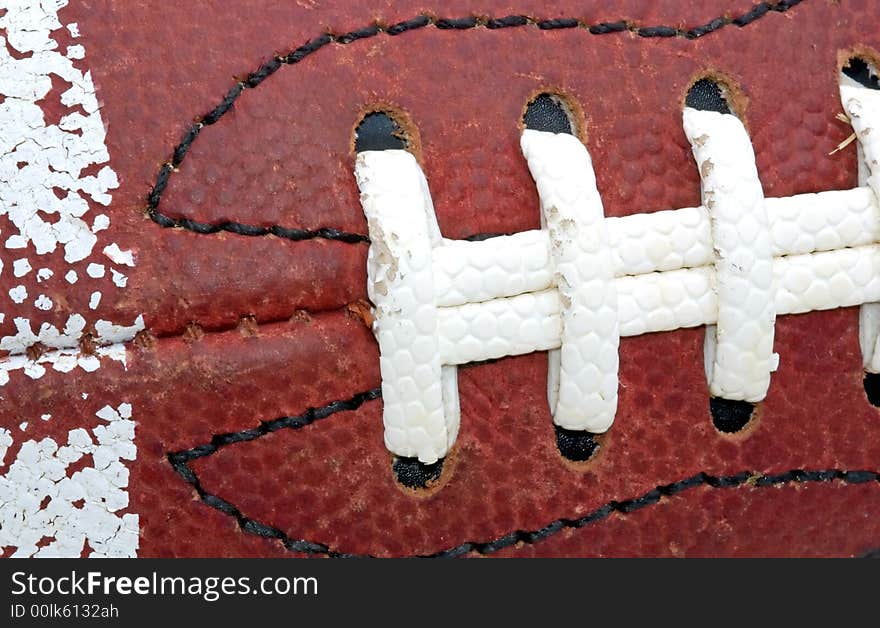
{"x":283,"y":156}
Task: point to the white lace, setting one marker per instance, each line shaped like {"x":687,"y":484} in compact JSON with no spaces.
{"x":582,"y":281}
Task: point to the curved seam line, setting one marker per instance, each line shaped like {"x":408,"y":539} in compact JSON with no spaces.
{"x":180,"y":463}
{"x":254,"y":79}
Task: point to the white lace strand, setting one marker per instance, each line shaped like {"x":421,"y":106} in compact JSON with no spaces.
{"x":583,"y":284}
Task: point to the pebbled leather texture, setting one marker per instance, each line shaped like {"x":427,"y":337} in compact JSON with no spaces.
{"x":283,"y":156}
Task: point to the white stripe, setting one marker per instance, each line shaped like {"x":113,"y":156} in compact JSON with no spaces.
{"x":40,"y":159}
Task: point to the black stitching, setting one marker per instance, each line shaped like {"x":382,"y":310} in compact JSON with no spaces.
{"x":401,"y":27}
{"x":785,"y":5}
{"x":705,"y":29}
{"x":771,"y":480}
{"x":220,"y":504}
{"x":261,"y":529}
{"x":758,"y":11}
{"x":188,"y":138}
{"x":859,"y":477}
{"x":823,"y":476}
{"x":218,"y":441}
{"x":729,"y":481}
{"x":553,"y":528}
{"x":161,"y":183}
{"x":462,"y":23}
{"x":682,"y":485}
{"x":242,"y":229}
{"x":363,"y":33}
{"x":188,"y":475}
{"x":266,"y":70}
{"x":798,"y":475}
{"x":180,"y":462}
{"x":310,"y":47}
{"x":604,"y":28}
{"x":568,"y":22}
{"x":631,"y":505}
{"x":511,"y":21}
{"x":658,"y":31}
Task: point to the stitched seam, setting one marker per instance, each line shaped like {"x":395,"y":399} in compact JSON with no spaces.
{"x":180,"y":459}
{"x":206,"y":329}
{"x":266,"y":70}
{"x":180,"y":463}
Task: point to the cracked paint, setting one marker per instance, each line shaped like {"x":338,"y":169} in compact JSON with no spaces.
{"x":40,"y":498}
{"x":45,"y":194}
{"x":65,"y":495}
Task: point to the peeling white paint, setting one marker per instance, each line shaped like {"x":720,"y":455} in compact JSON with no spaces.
{"x":5,"y":442}
{"x":107,"y":333}
{"x":18,"y":294}
{"x":21,"y":267}
{"x":43,"y":303}
{"x":41,"y":500}
{"x":61,"y":360}
{"x":76,"y":52}
{"x":46,"y":509}
{"x":126,"y":258}
{"x":16,"y":242}
{"x":96,"y":271}
{"x":118,"y":278}
{"x":102,"y":221}
{"x":44,"y":191}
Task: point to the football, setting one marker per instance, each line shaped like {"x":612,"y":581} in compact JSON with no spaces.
{"x":326,"y":279}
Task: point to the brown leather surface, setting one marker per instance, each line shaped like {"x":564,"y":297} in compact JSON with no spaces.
{"x":283,"y":156}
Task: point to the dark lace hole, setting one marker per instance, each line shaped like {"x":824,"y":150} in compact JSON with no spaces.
{"x":412,"y":473}
{"x":548,"y":113}
{"x":861,"y":72}
{"x":707,"y":95}
{"x":730,"y":415}
{"x":576,"y":445}
{"x":872,"y":388}
{"x":379,"y":131}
